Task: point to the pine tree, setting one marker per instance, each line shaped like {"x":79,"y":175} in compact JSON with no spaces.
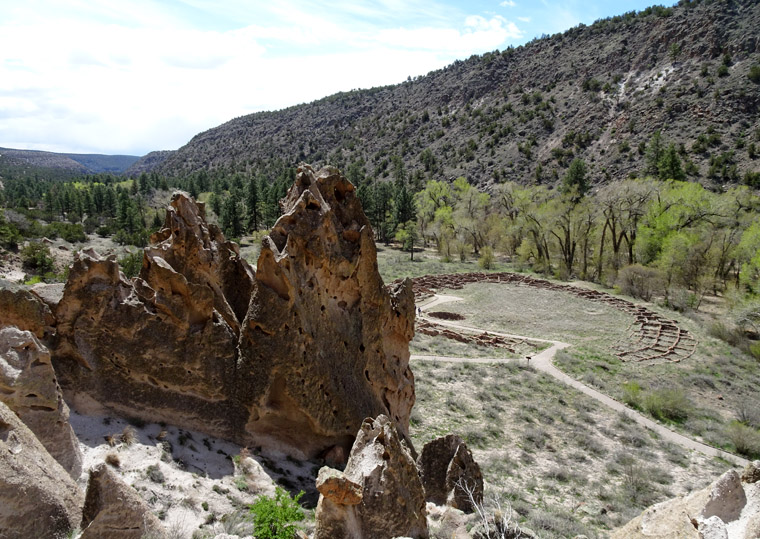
{"x":252,"y":205}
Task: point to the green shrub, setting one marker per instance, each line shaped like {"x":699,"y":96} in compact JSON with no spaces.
{"x":37,"y":257}
{"x":667,"y":404}
{"x":131,"y":264}
{"x":632,"y":394}
{"x":486,"y":259}
{"x":746,"y":439}
{"x":275,"y":518}
{"x":754,"y":74}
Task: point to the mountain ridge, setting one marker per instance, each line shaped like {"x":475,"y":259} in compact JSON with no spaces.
{"x":595,"y":92}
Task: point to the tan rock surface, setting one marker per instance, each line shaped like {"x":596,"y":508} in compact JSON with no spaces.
{"x":336,"y":487}
{"x":114,"y":510}
{"x":21,"y":308}
{"x":393,"y":501}
{"x":37,"y":497}
{"x":28,"y":386}
{"x":324,"y":343}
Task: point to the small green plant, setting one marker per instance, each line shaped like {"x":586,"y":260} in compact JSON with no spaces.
{"x":632,"y":394}
{"x":131,"y":264}
{"x":486,"y":259}
{"x":37,"y":256}
{"x":754,"y":73}
{"x":276,"y":517}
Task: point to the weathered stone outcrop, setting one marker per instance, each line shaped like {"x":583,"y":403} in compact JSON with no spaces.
{"x":725,"y":509}
{"x":115,"y":510}
{"x":294,"y":356}
{"x":21,"y":308}
{"x":37,"y":497}
{"x":392,"y":501}
{"x":325,"y":344}
{"x":446,"y":465}
{"x":28,"y":386}
{"x":154,"y":347}
{"x":199,"y":252}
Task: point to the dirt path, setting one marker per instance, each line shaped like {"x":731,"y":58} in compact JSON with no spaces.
{"x":543,"y":362}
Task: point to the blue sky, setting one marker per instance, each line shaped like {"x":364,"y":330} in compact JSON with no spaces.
{"x":105,"y":76}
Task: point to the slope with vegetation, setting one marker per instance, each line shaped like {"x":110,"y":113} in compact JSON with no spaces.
{"x":596,"y":93}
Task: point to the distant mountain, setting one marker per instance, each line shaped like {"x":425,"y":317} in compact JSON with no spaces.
{"x":26,"y":162}
{"x":596,"y":92}
{"x":148,"y":162}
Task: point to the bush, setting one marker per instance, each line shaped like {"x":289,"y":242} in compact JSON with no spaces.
{"x":131,"y":264}
{"x":745,"y":439}
{"x":667,"y":404}
{"x":275,"y":518}
{"x":37,"y":257}
{"x":754,"y":74}
{"x":486,"y":259}
{"x":632,"y":394}
{"x":640,"y":282}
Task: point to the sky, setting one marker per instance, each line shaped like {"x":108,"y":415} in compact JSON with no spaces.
{"x":132,"y":76}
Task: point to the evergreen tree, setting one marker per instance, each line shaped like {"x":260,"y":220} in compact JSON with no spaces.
{"x":252,"y":205}
{"x":232,"y":218}
{"x":575,"y":183}
{"x":669,"y":166}
{"x":654,"y":153}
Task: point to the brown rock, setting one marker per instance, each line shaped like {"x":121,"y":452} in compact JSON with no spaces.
{"x":114,"y":510}
{"x":37,"y":497}
{"x":29,"y":387}
{"x":21,"y":308}
{"x":153,"y":348}
{"x":751,"y":473}
{"x":727,"y":498}
{"x":335,"y":486}
{"x":446,"y":465}
{"x":392,"y":502}
{"x":340,"y":338}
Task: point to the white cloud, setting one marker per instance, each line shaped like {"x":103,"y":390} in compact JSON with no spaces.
{"x":508,"y":3}
{"x":524,"y":19}
{"x":93,"y":75}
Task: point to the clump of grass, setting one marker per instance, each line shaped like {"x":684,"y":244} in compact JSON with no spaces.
{"x":113,"y":459}
{"x":155,"y":474}
{"x":128,"y":435}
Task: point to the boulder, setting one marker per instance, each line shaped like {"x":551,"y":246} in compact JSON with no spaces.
{"x":713,"y":528}
{"x":21,"y":308}
{"x":751,"y":473}
{"x":29,"y":387}
{"x":726,"y":499}
{"x":392,"y":501}
{"x":115,"y":510}
{"x":324,"y":343}
{"x":38,"y":498}
{"x":448,"y":470}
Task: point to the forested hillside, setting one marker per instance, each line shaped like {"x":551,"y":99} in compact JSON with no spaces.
{"x":597,"y":93}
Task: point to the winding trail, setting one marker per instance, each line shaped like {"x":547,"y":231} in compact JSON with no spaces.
{"x":543,"y":362}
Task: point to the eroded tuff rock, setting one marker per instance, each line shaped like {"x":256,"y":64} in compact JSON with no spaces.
{"x":154,"y":347}
{"x":28,"y":386}
{"x":325,"y":344}
{"x":37,"y":497}
{"x":727,"y":508}
{"x":295,"y":356}
{"x":446,"y":466}
{"x":392,"y":501}
{"x":115,"y":510}
{"x":21,"y":308}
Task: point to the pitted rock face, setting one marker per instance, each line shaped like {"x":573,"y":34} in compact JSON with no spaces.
{"x":29,"y":387}
{"x":37,"y":496}
{"x":378,"y":495}
{"x":294,"y":356}
{"x":325,"y":344}
{"x":21,"y":308}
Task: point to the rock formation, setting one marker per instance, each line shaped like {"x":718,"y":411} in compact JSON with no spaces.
{"x":378,"y":495}
{"x":37,"y":496}
{"x":446,"y":466}
{"x":113,"y":509}
{"x":21,"y":308}
{"x":293,"y":356}
{"x":28,"y":386}
{"x":324,"y":343}
{"x":725,"y":509}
